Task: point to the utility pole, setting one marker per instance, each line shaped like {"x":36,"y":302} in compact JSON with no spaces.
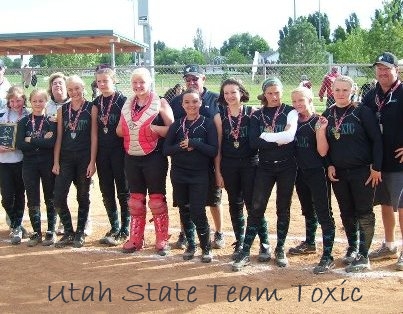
{"x":295,"y":12}
{"x":320,"y":24}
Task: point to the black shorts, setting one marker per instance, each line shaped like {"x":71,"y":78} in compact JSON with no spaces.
{"x":214,"y":192}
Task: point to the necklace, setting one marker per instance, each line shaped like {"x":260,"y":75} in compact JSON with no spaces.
{"x":73,"y":125}
{"x":235,"y":130}
{"x":105,"y":113}
{"x":187,"y":129}
{"x":270,"y":128}
{"x":338,"y":122}
{"x":37,"y":133}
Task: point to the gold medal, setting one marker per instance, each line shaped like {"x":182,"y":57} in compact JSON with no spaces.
{"x":317,"y":125}
{"x":105,"y":130}
{"x":336,"y":134}
{"x":268,"y":129}
{"x":236,"y":144}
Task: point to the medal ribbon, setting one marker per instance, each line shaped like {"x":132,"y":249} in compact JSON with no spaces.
{"x":338,"y":122}
{"x":187,"y":129}
{"x":137,"y":109}
{"x":105,"y":115}
{"x":235,"y":131}
{"x":380,"y":103}
{"x":37,"y":132}
{"x":72,"y":126}
{"x":273,"y":121}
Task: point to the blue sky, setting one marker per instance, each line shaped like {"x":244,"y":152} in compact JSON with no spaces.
{"x":175,"y":21}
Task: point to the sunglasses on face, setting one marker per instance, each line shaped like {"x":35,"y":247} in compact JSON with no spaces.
{"x":191,"y":79}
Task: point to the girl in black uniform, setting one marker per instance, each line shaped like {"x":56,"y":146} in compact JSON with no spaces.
{"x":312,"y":184}
{"x":239,"y":162}
{"x":111,"y":156}
{"x":276,"y":166}
{"x":354,"y":141}
{"x":74,"y":159}
{"x":191,"y":142}
{"x":36,"y":138}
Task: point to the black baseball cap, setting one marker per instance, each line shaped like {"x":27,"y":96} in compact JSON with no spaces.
{"x":193,"y":69}
{"x":387,"y":59}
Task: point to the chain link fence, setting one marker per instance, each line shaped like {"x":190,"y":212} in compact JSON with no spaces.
{"x":167,"y":77}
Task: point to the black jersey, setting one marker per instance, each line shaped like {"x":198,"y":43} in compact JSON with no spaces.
{"x":203,"y":138}
{"x":235,"y":137}
{"x":306,"y":146}
{"x":78,"y":139}
{"x":260,"y":120}
{"x":357,"y":142}
{"x":39,"y":145}
{"x":209,"y":107}
{"x":391,"y":119}
{"x":108,"y":119}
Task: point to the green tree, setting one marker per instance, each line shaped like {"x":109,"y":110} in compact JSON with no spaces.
{"x":352,"y":23}
{"x":234,"y":56}
{"x":386,"y":33}
{"x":190,"y":55}
{"x":339,"y":34}
{"x":167,"y":56}
{"x":353,"y":49}
{"x":198,"y":41}
{"x":246,"y":44}
{"x":159,"y":46}
{"x":324,"y":25}
{"x":301,"y":44}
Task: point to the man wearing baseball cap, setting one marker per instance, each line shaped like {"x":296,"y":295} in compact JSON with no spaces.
{"x":4,"y":86}
{"x":386,"y":100}
{"x":194,"y":77}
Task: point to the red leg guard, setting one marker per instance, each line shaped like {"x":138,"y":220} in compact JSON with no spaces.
{"x":137,"y":223}
{"x":159,"y":208}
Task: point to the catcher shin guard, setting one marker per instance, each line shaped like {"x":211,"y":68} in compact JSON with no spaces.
{"x":137,"y":224}
{"x":159,"y":209}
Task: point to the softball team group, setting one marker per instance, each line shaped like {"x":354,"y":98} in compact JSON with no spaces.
{"x":213,"y":141}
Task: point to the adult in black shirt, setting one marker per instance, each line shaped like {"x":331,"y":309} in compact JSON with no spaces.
{"x":386,"y":100}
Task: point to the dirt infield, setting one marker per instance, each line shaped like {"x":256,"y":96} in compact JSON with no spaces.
{"x":97,"y":279}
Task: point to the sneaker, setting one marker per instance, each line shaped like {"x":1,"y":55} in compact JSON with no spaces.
{"x":109,"y":234}
{"x":34,"y":239}
{"x":303,"y":248}
{"x":350,"y":256}
{"x":164,"y":251}
{"x":60,"y":229}
{"x":88,"y":227}
{"x":207,"y":256}
{"x":16,"y":235}
{"x":50,"y":238}
{"x":237,"y":250}
{"x":66,"y":239}
{"x":360,"y":264}
{"x":218,"y":242}
{"x":79,"y":239}
{"x":119,"y":238}
{"x":264,"y":253}
{"x":189,"y":253}
{"x":325,"y":265}
{"x":241,"y":261}
{"x":383,"y":253}
{"x":281,"y":258}
{"x":399,"y":264}
{"x":25,"y":233}
{"x":182,"y":242}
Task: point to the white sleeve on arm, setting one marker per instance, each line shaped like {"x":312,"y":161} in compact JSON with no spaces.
{"x":286,"y":136}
